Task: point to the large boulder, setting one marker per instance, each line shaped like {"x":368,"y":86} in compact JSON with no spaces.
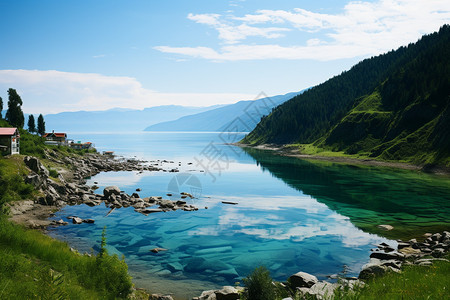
{"x":373,"y":271}
{"x":320,"y":290}
{"x":34,"y":179}
{"x":35,"y":165}
{"x":207,"y":295}
{"x":111,"y":190}
{"x":227,"y":293}
{"x":160,"y":297}
{"x":302,"y":279}
{"x":387,"y":256}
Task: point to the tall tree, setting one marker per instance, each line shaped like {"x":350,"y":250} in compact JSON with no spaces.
{"x":41,"y":125}
{"x":14,"y":114}
{"x":31,"y":124}
{"x":1,"y":107}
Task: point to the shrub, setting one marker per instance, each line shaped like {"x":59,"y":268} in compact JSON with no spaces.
{"x":53,"y":173}
{"x":259,"y":285}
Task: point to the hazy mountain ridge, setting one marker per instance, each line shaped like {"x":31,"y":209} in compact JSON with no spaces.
{"x":239,"y":117}
{"x":117,"y":119}
{"x":403,"y":113}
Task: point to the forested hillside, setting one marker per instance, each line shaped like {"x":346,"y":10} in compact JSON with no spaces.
{"x":394,"y":106}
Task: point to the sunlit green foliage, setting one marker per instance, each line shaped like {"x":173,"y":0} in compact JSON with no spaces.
{"x":394,"y":106}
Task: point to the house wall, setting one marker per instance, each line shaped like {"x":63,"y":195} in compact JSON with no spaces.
{"x":6,"y":141}
{"x":12,"y":143}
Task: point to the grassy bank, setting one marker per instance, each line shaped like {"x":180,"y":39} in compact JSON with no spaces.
{"x":414,"y":282}
{"x":35,"y":266}
{"x":32,"y":265}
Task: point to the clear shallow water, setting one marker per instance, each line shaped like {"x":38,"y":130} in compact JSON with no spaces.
{"x":292,"y":215}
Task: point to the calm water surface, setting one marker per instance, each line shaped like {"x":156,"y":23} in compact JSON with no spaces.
{"x":292,"y":215}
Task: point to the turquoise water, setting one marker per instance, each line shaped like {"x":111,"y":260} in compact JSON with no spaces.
{"x":292,"y":215}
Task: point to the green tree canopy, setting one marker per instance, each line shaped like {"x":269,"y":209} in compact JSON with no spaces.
{"x":31,"y":124}
{"x":41,"y":125}
{"x":14,"y":114}
{"x":1,"y":107}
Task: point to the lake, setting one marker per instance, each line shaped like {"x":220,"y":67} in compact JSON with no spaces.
{"x":291,"y":215}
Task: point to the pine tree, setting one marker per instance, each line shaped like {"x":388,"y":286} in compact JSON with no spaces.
{"x":31,"y":124}
{"x":41,"y":125}
{"x":1,"y":107}
{"x":14,"y":114}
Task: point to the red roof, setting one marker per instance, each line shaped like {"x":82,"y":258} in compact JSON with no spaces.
{"x":57,"y":134}
{"x":8,"y":131}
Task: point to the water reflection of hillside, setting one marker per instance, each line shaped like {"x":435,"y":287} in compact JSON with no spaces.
{"x":414,"y":203}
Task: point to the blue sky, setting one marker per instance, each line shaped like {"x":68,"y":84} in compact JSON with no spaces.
{"x":95,"y":55}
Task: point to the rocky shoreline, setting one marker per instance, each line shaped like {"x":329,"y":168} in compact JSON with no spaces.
{"x":70,"y":188}
{"x":383,"y":259}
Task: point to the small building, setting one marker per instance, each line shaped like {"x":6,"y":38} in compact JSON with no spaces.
{"x":9,"y":140}
{"x":79,"y":145}
{"x":55,"y":138}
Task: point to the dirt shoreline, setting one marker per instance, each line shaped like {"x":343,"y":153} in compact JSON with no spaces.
{"x":286,"y":150}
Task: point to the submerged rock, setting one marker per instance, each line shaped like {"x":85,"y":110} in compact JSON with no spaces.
{"x":386,"y":227}
{"x":156,"y":250}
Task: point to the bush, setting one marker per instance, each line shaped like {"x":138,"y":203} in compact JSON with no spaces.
{"x":53,"y":173}
{"x":259,"y":285}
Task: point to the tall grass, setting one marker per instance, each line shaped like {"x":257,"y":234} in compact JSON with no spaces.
{"x":32,"y":264}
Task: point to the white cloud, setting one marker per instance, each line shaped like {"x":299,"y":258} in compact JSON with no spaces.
{"x":231,"y":34}
{"x":65,"y":91}
{"x":362,"y":29}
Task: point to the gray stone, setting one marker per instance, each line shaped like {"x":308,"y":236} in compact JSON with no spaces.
{"x":160,"y":297}
{"x":372,"y":271}
{"x":35,"y":165}
{"x":111,"y":190}
{"x":323,"y":290}
{"x":227,"y":293}
{"x":77,"y":220}
{"x":302,"y":279}
{"x":207,"y":295}
{"x":34,"y":179}
{"x":438,"y":252}
{"x":385,"y":227}
{"x":402,"y":245}
{"x":387,"y":256}
{"x":157,"y":250}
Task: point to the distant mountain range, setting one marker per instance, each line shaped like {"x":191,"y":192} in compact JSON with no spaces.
{"x":238,"y":117}
{"x":395,"y":106}
{"x":117,"y":119}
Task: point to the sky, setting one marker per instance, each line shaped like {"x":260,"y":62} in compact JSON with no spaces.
{"x":97,"y":55}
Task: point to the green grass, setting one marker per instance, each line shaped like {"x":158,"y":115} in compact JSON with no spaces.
{"x":12,"y":185}
{"x":415,"y":282}
{"x":33,"y":265}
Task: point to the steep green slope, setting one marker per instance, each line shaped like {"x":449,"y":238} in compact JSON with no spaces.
{"x":394,"y":106}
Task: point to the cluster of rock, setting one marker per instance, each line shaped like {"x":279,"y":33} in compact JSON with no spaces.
{"x":226,"y":293}
{"x":61,"y":192}
{"x":92,"y":164}
{"x":383,"y":259}
{"x":115,"y":198}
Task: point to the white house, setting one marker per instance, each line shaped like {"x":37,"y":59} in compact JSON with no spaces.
{"x":9,"y":140}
